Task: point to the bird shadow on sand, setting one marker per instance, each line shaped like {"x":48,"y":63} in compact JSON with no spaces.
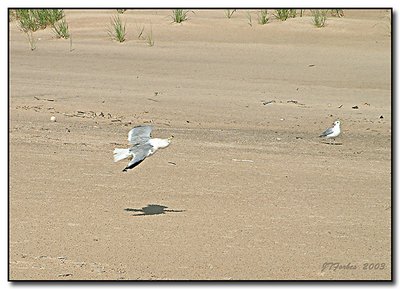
{"x":333,"y":144}
{"x":152,"y":210}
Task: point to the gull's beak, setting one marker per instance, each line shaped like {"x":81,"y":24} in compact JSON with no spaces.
{"x":171,"y":137}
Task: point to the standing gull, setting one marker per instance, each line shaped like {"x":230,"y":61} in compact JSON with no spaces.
{"x":142,"y":146}
{"x":332,"y":132}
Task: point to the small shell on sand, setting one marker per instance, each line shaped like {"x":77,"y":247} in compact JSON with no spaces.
{"x":53,"y":118}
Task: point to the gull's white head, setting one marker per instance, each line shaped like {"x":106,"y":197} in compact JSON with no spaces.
{"x":336,"y":123}
{"x":160,"y":143}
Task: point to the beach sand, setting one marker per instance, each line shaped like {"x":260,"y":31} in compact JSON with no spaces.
{"x":246,"y":190}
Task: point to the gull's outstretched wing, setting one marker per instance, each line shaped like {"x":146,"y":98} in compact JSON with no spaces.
{"x":139,"y":134}
{"x":140,"y":152}
{"x":327,"y":132}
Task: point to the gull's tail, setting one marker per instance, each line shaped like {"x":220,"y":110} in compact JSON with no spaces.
{"x":120,"y":154}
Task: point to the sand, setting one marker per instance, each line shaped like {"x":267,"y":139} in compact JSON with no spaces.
{"x":246,"y":190}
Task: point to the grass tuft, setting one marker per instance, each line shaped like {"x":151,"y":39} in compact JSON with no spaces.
{"x":31,"y":40}
{"x":149,"y":38}
{"x":31,"y":20}
{"x":140,"y":30}
{"x":117,"y":30}
{"x":319,"y":17}
{"x":262,"y":16}
{"x":229,"y":13}
{"x":60,"y":29}
{"x":27,"y":20}
{"x":48,"y":17}
{"x":284,"y":14}
{"x":35,"y":19}
{"x":337,"y":13}
{"x":249,"y":20}
{"x":142,"y":34}
{"x":179,"y":15}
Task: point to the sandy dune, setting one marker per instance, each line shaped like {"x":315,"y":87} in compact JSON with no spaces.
{"x":245,"y":191}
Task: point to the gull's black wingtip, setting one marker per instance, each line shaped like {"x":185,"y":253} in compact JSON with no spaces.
{"x":132,"y":166}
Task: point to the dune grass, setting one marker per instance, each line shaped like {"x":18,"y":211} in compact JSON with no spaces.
{"x":140,"y":31}
{"x":35,"y":19}
{"x":142,"y":34}
{"x":337,"y":13}
{"x":117,"y":30}
{"x":26,"y":20}
{"x":31,"y":20}
{"x":149,"y":37}
{"x":229,"y":13}
{"x":31,"y":40}
{"x":179,"y":15}
{"x":249,"y":19}
{"x":284,"y":14}
{"x":319,"y":17}
{"x":262,"y":16}
{"x":48,"y":17}
{"x":61,"y":30}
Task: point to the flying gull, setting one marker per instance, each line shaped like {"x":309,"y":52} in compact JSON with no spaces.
{"x":332,"y":132}
{"x":142,"y":146}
